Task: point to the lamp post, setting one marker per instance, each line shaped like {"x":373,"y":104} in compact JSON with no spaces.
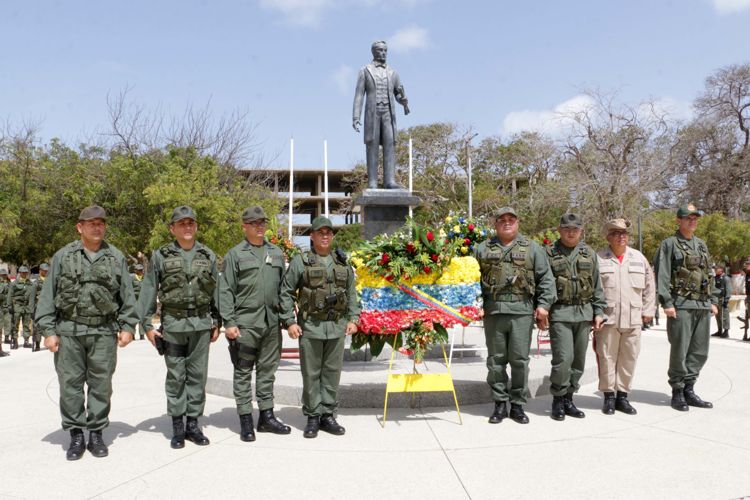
{"x":468,"y":171}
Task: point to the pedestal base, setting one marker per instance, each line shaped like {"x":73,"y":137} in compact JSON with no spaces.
{"x":384,"y":210}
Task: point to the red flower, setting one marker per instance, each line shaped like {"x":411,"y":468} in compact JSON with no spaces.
{"x":427,"y":269}
{"x":471,"y":227}
{"x":447,"y":240}
{"x":410,"y":247}
{"x":546,"y":241}
{"x":434,"y":257}
{"x":389,"y":277}
{"x":467,"y":242}
{"x":384,"y":259}
{"x":430,"y":236}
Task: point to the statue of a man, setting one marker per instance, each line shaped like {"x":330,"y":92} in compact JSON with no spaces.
{"x":383,"y":88}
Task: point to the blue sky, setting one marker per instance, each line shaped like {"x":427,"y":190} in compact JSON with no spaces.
{"x":497,"y":66}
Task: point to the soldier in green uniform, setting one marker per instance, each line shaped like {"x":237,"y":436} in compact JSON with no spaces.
{"x":137,"y":282}
{"x":685,"y":290}
{"x":517,"y":288}
{"x":321,"y":283}
{"x":580,"y":305}
{"x":39,"y":283}
{"x":723,"y":287}
{"x":5,"y":318}
{"x":249,"y":306}
{"x":183,"y":275}
{"x":86,"y":309}
{"x":21,"y":300}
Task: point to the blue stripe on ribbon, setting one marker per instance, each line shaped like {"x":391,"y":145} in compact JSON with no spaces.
{"x":392,"y":299}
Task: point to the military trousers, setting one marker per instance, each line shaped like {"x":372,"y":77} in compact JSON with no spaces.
{"x":508,"y":338}
{"x":569,"y":341}
{"x":25,"y":321}
{"x":688,"y":336}
{"x":89,"y":360}
{"x":266,"y":342}
{"x":185,"y":384}
{"x":321,"y":361}
{"x":616,"y":354}
{"x":7,"y":319}
{"x":722,"y":319}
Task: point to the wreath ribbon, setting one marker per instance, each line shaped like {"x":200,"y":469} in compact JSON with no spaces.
{"x":433,"y":303}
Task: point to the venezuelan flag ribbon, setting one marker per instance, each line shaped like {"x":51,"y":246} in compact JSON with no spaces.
{"x":433,"y":303}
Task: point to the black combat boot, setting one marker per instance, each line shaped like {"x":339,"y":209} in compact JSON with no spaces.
{"x":141,"y":336}
{"x":570,"y":408}
{"x":193,"y":432}
{"x":716,"y":334}
{"x":328,"y":424}
{"x":7,"y":340}
{"x":501,"y":412}
{"x":77,"y":445}
{"x":96,"y":445}
{"x":622,"y":404}
{"x":678,"y":400}
{"x":37,"y":346}
{"x":724,"y":334}
{"x":267,"y":422}
{"x":178,"y":433}
{"x":608,"y":408}
{"x":3,"y":353}
{"x":26,"y":343}
{"x":311,"y":429}
{"x":517,"y":414}
{"x":14,"y":343}
{"x":692,"y":399}
{"x":247,"y":433}
{"x":558,"y":408}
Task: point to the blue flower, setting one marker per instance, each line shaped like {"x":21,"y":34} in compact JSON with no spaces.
{"x":461,"y":220}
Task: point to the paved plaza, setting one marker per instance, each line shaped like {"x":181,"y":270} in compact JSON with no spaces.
{"x":421,"y":452}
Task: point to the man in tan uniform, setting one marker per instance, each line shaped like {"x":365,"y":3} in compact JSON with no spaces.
{"x":630,"y":291}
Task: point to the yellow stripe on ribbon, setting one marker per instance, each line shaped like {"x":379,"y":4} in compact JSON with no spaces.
{"x":433,"y":303}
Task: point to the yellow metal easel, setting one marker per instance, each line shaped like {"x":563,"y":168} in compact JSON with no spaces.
{"x":420,"y":382}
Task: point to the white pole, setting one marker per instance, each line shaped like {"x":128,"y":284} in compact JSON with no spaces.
{"x":471,"y":185}
{"x":291,"y":184}
{"x":325,"y":175}
{"x":411,"y":168}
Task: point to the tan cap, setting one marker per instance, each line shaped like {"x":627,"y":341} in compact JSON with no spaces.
{"x":617,"y":225}
{"x":93,"y":212}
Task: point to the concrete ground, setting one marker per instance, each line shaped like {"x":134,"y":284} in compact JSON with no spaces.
{"x":424,"y":453}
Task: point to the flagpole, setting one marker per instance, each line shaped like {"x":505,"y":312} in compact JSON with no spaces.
{"x":291,"y":185}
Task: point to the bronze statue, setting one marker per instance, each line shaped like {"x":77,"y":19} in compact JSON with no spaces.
{"x":383,"y":88}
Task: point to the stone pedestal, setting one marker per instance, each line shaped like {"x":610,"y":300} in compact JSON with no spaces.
{"x":384,"y":210}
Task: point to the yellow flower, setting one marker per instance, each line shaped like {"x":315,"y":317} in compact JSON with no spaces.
{"x":448,"y":219}
{"x":464,"y":250}
{"x":357,"y":261}
{"x":456,"y":228}
{"x":460,"y":270}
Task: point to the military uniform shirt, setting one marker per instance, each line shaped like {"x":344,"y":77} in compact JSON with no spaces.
{"x":664,"y":263}
{"x":575,"y":313}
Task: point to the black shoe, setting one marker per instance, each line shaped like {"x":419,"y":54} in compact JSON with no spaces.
{"x":267,"y":422}
{"x":558,"y":408}
{"x":570,"y":408}
{"x":26,"y":344}
{"x":678,"y":400}
{"x":7,"y":340}
{"x":724,"y":334}
{"x":311,"y":429}
{"x":622,"y":404}
{"x":3,"y":353}
{"x":36,"y":347}
{"x":517,"y":414}
{"x":77,"y":445}
{"x":717,"y":334}
{"x":141,"y":336}
{"x":501,"y":412}
{"x":193,"y":432}
{"x":608,"y":408}
{"x":14,"y":343}
{"x":692,"y":399}
{"x":328,"y":424}
{"x":96,"y":445}
{"x":247,"y":433}
{"x":178,"y":433}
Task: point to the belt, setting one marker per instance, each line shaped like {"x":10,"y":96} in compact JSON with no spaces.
{"x":92,"y":320}
{"x":186,"y":313}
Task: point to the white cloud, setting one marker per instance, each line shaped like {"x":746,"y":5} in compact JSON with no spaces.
{"x":730,"y":6}
{"x":300,"y":12}
{"x":551,"y":122}
{"x":343,"y":78}
{"x":409,"y":38}
{"x":670,"y":108}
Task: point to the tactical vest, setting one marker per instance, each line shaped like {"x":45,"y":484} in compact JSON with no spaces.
{"x":88,"y":295}
{"x":574,"y":280}
{"x":690,"y":271}
{"x":186,"y":292}
{"x":720,"y":285}
{"x":20,"y":296}
{"x":3,"y":293}
{"x":321,"y":297}
{"x":507,"y":275}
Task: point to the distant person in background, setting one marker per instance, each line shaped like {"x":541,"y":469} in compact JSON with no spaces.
{"x":723,"y":286}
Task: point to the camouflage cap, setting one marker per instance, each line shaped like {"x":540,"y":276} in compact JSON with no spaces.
{"x":320,"y":222}
{"x":44,"y":266}
{"x":686,"y":210}
{"x":254,"y":213}
{"x":502,"y":211}
{"x":138,"y":267}
{"x":571,"y":220}
{"x":617,"y":225}
{"x":182,"y":212}
{"x":23,"y":269}
{"x":3,"y":271}
{"x":92,"y":212}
